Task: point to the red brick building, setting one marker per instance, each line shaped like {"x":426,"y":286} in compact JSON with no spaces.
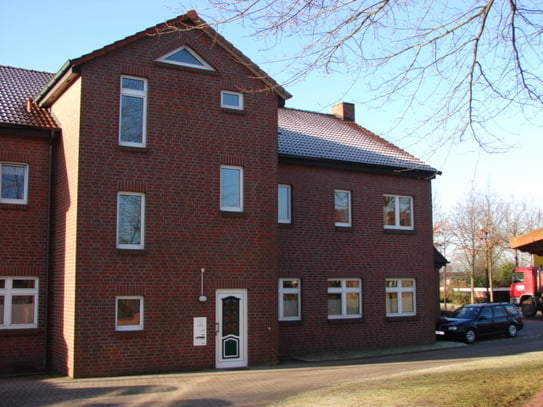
{"x":163,"y":225}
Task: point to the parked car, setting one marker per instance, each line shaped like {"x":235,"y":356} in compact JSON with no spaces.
{"x":474,"y":320}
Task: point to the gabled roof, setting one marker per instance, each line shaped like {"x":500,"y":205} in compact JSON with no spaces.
{"x":324,"y":138}
{"x":188,"y":21}
{"x":16,"y":87}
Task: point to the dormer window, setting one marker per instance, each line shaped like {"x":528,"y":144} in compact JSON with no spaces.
{"x":184,"y":56}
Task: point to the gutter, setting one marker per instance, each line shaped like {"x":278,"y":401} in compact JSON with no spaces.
{"x":56,"y":86}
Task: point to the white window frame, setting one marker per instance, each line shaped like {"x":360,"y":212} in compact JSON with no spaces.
{"x":344,"y":290}
{"x":136,"y":327}
{"x":135,"y":246}
{"x":287,"y":204}
{"x":229,"y":106}
{"x":290,"y":290}
{"x":224,"y":207}
{"x":142,"y":94}
{"x":8,"y":292}
{"x":204,"y":65}
{"x":397,"y":222}
{"x":349,"y":210}
{"x":24,"y":200}
{"x":400,"y":290}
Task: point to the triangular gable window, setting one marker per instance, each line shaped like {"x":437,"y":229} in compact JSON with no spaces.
{"x":186,"y":57}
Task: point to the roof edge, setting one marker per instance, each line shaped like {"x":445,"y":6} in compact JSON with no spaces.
{"x":191,"y":20}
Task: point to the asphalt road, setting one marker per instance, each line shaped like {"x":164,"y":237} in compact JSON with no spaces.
{"x":250,"y":387}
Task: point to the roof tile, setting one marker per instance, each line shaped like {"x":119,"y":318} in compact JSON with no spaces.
{"x":323,"y":136}
{"x":17,"y":85}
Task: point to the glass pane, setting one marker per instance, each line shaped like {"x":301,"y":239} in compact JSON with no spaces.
{"x":22,"y":309}
{"x":392,"y":283}
{"x":24,"y":283}
{"x":388,"y":210}
{"x":392,"y":303}
{"x":407,"y":302}
{"x":131,"y":119}
{"x":130,"y":219}
{"x":132,"y":83}
{"x":342,"y":207}
{"x":407,"y":283}
{"x":231,"y":99}
{"x":283,"y":203}
{"x":128,"y":311}
{"x":2,"y":300}
{"x":334,"y":283}
{"x":353,"y":283}
{"x":230,"y":316}
{"x":334,"y":304}
{"x":290,"y":283}
{"x":353,"y":304}
{"x":405,"y":211}
{"x":13,"y":182}
{"x":2,"y":283}
{"x":183,"y":56}
{"x":290,"y":305}
{"x":230,"y":188}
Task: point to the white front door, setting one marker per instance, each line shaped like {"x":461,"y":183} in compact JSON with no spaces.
{"x":231,"y":327}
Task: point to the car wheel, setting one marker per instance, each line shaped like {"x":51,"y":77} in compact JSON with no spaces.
{"x":528,"y":308}
{"x":469,"y":336}
{"x":511,"y":331}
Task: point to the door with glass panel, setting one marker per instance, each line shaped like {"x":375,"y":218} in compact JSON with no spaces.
{"x":231,"y":328}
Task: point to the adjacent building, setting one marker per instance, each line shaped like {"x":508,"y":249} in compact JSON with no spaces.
{"x":161,"y":210}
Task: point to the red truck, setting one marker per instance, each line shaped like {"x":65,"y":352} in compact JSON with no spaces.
{"x":526,"y":290}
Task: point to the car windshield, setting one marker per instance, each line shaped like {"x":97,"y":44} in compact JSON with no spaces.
{"x":466,"y":312}
{"x":518,"y":277}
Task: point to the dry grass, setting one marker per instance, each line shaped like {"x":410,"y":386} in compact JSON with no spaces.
{"x":495,"y":382}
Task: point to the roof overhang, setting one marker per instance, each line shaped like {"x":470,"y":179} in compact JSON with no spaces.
{"x":356,"y":166}
{"x":530,"y":242}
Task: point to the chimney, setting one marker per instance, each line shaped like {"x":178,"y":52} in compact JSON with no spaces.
{"x":344,"y":111}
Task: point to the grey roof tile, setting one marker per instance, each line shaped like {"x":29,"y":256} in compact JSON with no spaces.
{"x":16,"y":86}
{"x":323,"y":136}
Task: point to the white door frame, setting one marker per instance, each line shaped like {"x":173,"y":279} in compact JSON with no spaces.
{"x":237,"y":342}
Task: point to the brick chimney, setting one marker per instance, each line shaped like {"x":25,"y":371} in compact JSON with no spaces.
{"x":344,"y":111}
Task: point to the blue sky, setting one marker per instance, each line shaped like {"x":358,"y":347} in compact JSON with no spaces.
{"x":43,"y":35}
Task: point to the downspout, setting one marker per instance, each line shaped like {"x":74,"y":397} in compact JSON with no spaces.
{"x":49,"y":267}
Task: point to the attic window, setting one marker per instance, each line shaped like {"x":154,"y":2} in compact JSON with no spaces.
{"x":184,"y":56}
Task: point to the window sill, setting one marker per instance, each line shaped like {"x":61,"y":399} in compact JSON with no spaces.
{"x":234,"y":111}
{"x":400,"y":231}
{"x":14,"y":206}
{"x":344,"y":228}
{"x":232,"y":214}
{"x":399,"y":318}
{"x":20,"y":332}
{"x":345,"y":321}
{"x":130,"y":334}
{"x":133,"y":149}
{"x":291,"y":323}
{"x":285,"y":225}
{"x":131,"y":252}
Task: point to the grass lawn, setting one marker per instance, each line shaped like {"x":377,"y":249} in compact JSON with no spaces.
{"x":509,"y":381}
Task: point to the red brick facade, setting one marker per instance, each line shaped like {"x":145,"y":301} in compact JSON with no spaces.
{"x":191,"y":247}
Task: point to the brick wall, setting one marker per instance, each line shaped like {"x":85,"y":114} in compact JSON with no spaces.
{"x":23,"y":248}
{"x":314,"y":250}
{"x":188,"y":137}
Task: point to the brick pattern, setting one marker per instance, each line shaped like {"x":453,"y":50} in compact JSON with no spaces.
{"x":314,"y":250}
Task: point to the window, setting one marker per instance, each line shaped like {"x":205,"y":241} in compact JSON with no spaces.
{"x":13,"y":183}
{"x":344,"y":298}
{"x":398,"y":212}
{"x":283,"y":204}
{"x":231,"y":188}
{"x":184,"y":56}
{"x":342,"y":211}
{"x":18,"y":302}
{"x":231,"y":100}
{"x":289,"y":300}
{"x":133,"y":112}
{"x":400,"y":297}
{"x":129,"y":314}
{"x":130,"y":220}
